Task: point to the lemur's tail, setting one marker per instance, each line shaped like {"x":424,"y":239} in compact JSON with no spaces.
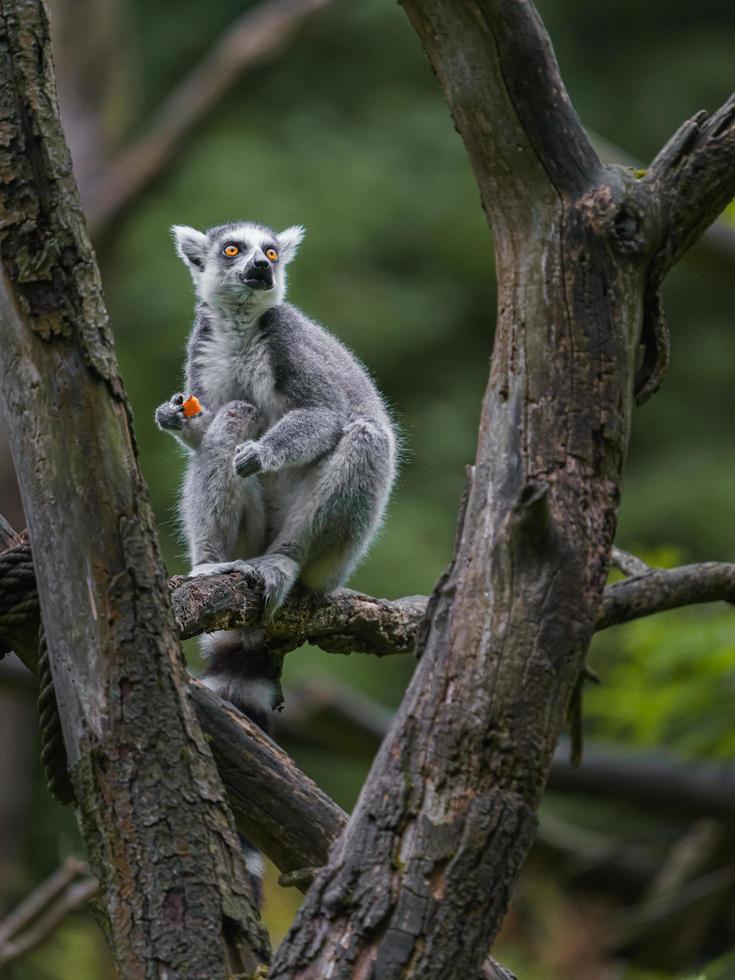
{"x":243,"y":671}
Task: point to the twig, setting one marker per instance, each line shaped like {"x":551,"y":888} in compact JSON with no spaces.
{"x":69,"y":887}
{"x":74,"y":897}
{"x":628,"y":564}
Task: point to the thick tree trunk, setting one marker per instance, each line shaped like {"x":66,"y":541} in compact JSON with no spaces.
{"x":151,"y":806}
{"x":419,"y":882}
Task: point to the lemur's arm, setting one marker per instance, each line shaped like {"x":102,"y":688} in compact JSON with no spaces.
{"x":170,"y":417}
{"x":301,"y":436}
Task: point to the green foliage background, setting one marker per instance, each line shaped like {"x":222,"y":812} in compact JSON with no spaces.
{"x":348,"y":134}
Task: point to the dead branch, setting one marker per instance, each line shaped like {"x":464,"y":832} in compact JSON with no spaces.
{"x":347,"y":621}
{"x":693,"y":179}
{"x":661,"y":589}
{"x":276,"y":806}
{"x":342,"y":622}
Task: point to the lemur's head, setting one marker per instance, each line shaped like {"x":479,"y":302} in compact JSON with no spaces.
{"x":238,"y":265}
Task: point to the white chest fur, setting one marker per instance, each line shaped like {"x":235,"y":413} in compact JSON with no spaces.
{"x":235,"y":364}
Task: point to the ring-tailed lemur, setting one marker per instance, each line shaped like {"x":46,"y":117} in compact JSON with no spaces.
{"x":293,"y":452}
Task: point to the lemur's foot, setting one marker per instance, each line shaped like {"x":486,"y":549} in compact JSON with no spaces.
{"x":277,"y":574}
{"x":248,"y":459}
{"x":226,"y":568}
{"x":171,"y":415}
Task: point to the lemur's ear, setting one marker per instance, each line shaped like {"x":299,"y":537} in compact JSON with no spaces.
{"x":191,"y":246}
{"x":289,"y":241}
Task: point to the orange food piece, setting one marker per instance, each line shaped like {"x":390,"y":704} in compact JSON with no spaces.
{"x":191,"y":406}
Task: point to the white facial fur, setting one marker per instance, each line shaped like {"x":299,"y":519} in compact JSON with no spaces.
{"x":218,"y":278}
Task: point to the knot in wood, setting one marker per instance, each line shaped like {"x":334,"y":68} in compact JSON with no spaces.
{"x":617,"y":214}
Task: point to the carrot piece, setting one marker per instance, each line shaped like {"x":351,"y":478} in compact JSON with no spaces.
{"x":191,"y":406}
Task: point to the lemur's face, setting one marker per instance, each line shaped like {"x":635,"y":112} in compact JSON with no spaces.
{"x":240,"y":264}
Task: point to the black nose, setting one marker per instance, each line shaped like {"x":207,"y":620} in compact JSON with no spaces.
{"x":261,"y":263}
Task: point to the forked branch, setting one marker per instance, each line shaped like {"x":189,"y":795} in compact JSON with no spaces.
{"x":693,"y":179}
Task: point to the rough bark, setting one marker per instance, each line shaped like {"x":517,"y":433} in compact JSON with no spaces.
{"x":419,"y":882}
{"x":341,"y":622}
{"x":151,"y":806}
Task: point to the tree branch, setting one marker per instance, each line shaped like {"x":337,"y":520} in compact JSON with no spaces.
{"x":661,"y":589}
{"x":254,"y":38}
{"x":48,"y":891}
{"x":342,"y":622}
{"x":687,"y":186}
{"x":352,"y":622}
{"x":628,"y":564}
{"x":451,"y":798}
{"x":653,"y":781}
{"x":348,"y":621}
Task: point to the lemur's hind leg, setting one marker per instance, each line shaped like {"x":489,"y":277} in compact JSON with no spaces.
{"x":216,"y":505}
{"x":332,"y":515}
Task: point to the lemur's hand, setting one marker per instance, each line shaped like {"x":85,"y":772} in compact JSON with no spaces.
{"x":173,"y":414}
{"x":248,"y":459}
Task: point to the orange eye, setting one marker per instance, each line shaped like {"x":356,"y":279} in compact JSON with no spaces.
{"x":232,"y":251}
{"x":271,"y":253}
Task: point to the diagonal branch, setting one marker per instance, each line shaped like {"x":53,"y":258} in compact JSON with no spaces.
{"x":280,"y":809}
{"x":253,"y":39}
{"x":499,"y":74}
